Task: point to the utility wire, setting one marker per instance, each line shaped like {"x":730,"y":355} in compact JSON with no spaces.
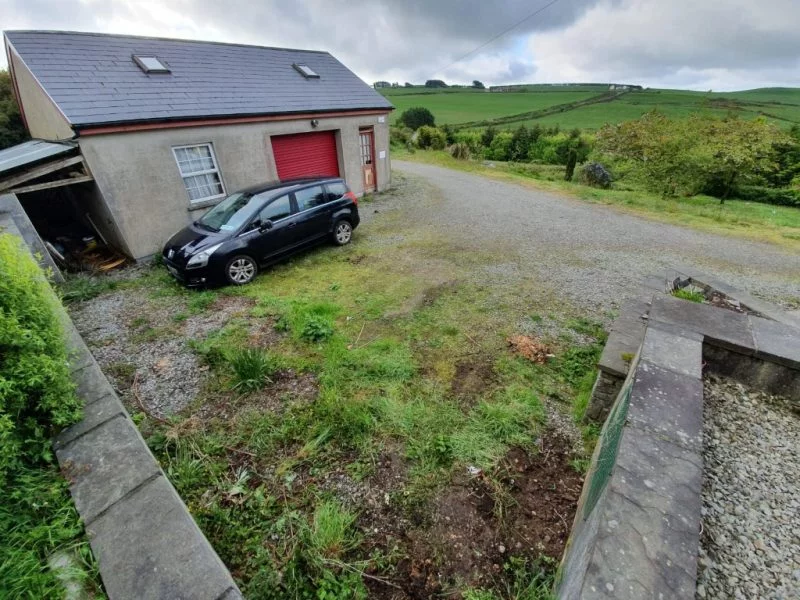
{"x":499,"y":35}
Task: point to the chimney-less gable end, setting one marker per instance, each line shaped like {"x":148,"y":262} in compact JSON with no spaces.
{"x":305,"y":71}
{"x":150,"y":64}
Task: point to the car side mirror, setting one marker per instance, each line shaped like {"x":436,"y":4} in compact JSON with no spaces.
{"x":265,"y":225}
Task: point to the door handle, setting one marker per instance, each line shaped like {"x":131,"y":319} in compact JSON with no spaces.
{"x":292,"y":224}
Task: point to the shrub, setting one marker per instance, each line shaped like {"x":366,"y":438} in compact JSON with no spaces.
{"x":471,"y":138}
{"x":595,"y":175}
{"x":37,"y":396}
{"x":400,"y":136}
{"x":487,"y":136}
{"x":460,"y":151}
{"x":416,"y":117}
{"x":779,"y":197}
{"x":500,"y":146}
{"x":431,"y":138}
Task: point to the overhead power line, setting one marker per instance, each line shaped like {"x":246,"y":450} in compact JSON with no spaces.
{"x":499,"y":35}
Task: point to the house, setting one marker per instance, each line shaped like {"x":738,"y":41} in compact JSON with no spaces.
{"x":157,"y":130}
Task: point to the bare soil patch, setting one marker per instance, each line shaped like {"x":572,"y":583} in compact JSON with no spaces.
{"x":473,"y":376}
{"x":524,"y":509}
{"x":288,"y":387}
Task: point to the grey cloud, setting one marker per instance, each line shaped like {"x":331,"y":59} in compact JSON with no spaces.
{"x":680,"y":42}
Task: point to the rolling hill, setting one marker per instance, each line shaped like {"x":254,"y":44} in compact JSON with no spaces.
{"x":588,"y":106}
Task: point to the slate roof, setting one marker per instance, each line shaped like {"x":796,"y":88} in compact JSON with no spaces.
{"x":94,"y":80}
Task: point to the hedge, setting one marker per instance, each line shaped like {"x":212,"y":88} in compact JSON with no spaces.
{"x":37,"y":396}
{"x":766,"y":195}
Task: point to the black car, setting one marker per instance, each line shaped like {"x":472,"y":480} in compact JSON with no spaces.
{"x":258,"y":226}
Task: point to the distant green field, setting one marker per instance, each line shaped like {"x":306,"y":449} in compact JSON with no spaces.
{"x":463,"y":106}
{"x":782,"y":105}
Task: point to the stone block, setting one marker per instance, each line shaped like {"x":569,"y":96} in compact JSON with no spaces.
{"x":647,"y":542}
{"x":777,"y":342}
{"x":674,"y":352}
{"x":94,"y":414}
{"x":92,"y":384}
{"x":719,"y":326}
{"x":770,"y":377}
{"x":152,"y":549}
{"x":667,"y":403}
{"x":104,"y":464}
{"x":79,"y":354}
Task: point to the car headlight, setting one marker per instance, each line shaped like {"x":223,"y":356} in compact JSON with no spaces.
{"x":201,"y":258}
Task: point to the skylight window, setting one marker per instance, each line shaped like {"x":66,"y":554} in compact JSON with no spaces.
{"x":306,"y":71}
{"x":150,"y":64}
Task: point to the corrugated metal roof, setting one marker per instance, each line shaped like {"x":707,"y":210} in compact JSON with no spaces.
{"x":94,"y":79}
{"x":31,"y":152}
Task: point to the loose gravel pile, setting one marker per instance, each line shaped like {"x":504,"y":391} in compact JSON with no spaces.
{"x":750,"y":546}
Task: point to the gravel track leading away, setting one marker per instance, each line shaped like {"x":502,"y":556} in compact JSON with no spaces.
{"x":592,"y":254}
{"x":750,"y":546}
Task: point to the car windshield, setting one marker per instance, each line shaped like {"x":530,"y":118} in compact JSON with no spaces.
{"x":229,"y":214}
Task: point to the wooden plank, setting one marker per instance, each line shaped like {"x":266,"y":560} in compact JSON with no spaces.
{"x":52,"y":184}
{"x":39,"y":172}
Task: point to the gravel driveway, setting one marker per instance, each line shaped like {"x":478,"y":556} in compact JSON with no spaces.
{"x":593,"y":255}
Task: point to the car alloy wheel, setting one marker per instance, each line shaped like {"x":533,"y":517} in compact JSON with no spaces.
{"x":241,"y":270}
{"x":344,"y":232}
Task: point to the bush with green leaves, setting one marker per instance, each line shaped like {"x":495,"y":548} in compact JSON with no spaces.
{"x":683,"y":157}
{"x":400,"y":136}
{"x":37,"y":396}
{"x":431,"y":138}
{"x":766,"y":195}
{"x":416,"y":117}
{"x":500,"y":147}
{"x":472,"y":139}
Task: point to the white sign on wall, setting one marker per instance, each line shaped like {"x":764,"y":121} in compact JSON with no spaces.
{"x":381,"y":119}
{"x":382,"y":154}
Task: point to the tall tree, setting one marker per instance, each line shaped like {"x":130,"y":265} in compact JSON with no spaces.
{"x":12,"y":129}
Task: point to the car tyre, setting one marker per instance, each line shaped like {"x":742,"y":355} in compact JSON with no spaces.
{"x":342,"y":232}
{"x":241,"y":269}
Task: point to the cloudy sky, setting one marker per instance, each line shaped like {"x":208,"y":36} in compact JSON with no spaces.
{"x":697,"y":44}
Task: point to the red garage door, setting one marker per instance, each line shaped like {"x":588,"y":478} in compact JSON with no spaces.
{"x":306,"y":155}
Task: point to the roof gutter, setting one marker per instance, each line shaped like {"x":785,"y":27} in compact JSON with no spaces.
{"x":122,"y":127}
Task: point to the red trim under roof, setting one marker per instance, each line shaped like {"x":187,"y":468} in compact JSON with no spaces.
{"x":104,"y":129}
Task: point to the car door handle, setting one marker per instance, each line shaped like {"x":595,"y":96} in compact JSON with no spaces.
{"x":292,"y":224}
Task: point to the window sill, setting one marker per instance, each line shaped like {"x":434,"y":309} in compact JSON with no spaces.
{"x":204,"y":203}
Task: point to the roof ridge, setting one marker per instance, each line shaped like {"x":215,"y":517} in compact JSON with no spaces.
{"x":159,"y":38}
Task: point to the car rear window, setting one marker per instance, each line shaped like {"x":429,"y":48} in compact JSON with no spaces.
{"x":310,"y":197}
{"x":336,"y":190}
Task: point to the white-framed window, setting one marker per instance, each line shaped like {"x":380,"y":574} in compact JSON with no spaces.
{"x":200,"y":172}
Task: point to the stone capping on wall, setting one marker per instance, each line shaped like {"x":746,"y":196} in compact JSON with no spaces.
{"x":639,"y":537}
{"x":145,"y":541}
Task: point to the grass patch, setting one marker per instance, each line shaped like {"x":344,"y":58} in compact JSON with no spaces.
{"x":690,"y":295}
{"x":252,"y":369}
{"x":81,"y":287}
{"x":383,"y":329}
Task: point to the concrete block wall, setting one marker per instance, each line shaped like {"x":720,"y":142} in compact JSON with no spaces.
{"x":639,"y":537}
{"x":146,"y":543}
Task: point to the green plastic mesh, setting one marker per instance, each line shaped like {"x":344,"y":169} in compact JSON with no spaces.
{"x":609,"y":444}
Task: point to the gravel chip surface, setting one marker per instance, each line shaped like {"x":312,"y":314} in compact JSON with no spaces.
{"x":593,"y":254}
{"x":750,"y":546}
